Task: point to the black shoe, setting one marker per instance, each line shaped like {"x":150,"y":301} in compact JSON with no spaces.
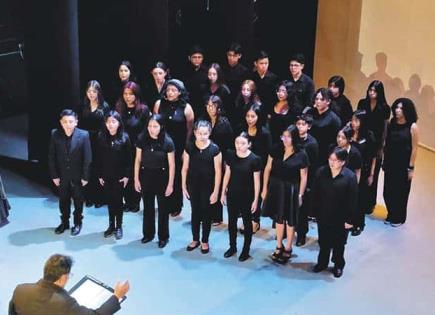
{"x":205,"y":250}
{"x":337,"y":272}
{"x":230,"y":252}
{"x":190,"y":248}
{"x":76,"y":229}
{"x":285,"y":256}
{"x":61,"y":228}
{"x":118,"y":233}
{"x":277,"y":253}
{"x":162,"y":243}
{"x":134,"y":208}
{"x":242,"y":230}
{"x":98,"y":204}
{"x":356,"y":231}
{"x":396,"y":224}
{"x":89,"y":203}
{"x":175,"y":214}
{"x":109,"y":232}
{"x":301,"y":240}
{"x":244,"y":256}
{"x":145,"y":240}
{"x":318,"y":268}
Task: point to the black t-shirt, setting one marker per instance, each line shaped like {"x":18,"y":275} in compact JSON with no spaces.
{"x":354,"y":160}
{"x":155,"y":151}
{"x":304,"y":88}
{"x":280,"y":122}
{"x":266,"y":89}
{"x":261,"y":143}
{"x":135,"y":121}
{"x":242,"y":173}
{"x":342,"y":107}
{"x":311,"y":148}
{"x":201,"y":163}
{"x":376,"y":118}
{"x":289,"y":169}
{"x":367,"y":147}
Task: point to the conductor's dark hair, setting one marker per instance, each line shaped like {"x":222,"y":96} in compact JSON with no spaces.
{"x":408,"y":109}
{"x":56,"y":266}
{"x":298,"y":57}
{"x":261,"y":55}
{"x":338,"y":82}
{"x":236,"y":48}
{"x":340,"y":153}
{"x":67,"y":112}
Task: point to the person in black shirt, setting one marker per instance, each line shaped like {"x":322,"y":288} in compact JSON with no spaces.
{"x":285,"y":180}
{"x":201,"y":174}
{"x":154,"y":173}
{"x":261,"y":143}
{"x":284,"y":112}
{"x":69,"y":159}
{"x":240,"y":191}
{"x":178,"y":119}
{"x":234,"y":71}
{"x":354,"y":159}
{"x":92,"y":119}
{"x":325,"y":124}
{"x":125,"y":74}
{"x":195,"y":76}
{"x":215,"y":86}
{"x":304,"y":85}
{"x":311,"y":147}
{"x":265,"y":81}
{"x":246,"y":97}
{"x":155,"y":86}
{"x":364,"y":140}
{"x":340,"y":103}
{"x":335,"y":193}
{"x":399,"y":160}
{"x":114,"y":162}
{"x":378,"y":113}
{"x":134,"y":115}
{"x":222,"y":136}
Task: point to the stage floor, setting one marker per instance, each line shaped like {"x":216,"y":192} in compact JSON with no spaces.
{"x":389,"y":270}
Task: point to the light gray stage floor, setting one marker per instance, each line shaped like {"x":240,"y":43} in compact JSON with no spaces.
{"x":389,"y":270}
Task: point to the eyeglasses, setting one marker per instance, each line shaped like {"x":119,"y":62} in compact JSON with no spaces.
{"x":295,"y":65}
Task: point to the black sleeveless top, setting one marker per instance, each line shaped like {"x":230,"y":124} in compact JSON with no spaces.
{"x":398,"y":147}
{"x":175,"y":122}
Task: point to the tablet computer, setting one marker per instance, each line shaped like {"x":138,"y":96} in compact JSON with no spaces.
{"x":92,"y":293}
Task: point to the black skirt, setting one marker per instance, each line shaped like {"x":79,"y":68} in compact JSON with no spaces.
{"x":282,"y":201}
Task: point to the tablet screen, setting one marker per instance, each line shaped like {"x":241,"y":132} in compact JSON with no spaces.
{"x":91,"y":293}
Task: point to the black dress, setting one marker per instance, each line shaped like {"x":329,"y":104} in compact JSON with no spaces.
{"x":282,"y":200}
{"x":397,"y":155}
{"x":154,"y":176}
{"x":4,"y":205}
{"x":200,"y":185}
{"x":279,"y":122}
{"x":343,"y":108}
{"x":93,"y":122}
{"x":241,"y":194}
{"x":114,"y":161}
{"x":175,"y":124}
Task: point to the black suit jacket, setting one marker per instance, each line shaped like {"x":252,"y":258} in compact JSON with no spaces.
{"x":47,"y":298}
{"x":72,"y":165}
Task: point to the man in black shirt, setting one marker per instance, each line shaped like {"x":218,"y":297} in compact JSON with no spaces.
{"x":49,"y":297}
{"x":303,"y":84}
{"x":311,"y":147}
{"x":335,"y":194}
{"x":265,"y":82}
{"x":69,"y":158}
{"x":234,"y":71}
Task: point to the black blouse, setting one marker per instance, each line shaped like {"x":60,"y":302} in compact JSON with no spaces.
{"x":93,"y":121}
{"x":279,"y":122}
{"x":114,"y":157}
{"x":289,"y":169}
{"x":135,"y":121}
{"x":304,"y":91}
{"x":261,"y":142}
{"x":376,"y":118}
{"x":155,"y":151}
{"x":242,"y":173}
{"x":343,"y":108}
{"x":201,"y":164}
{"x":222,"y":135}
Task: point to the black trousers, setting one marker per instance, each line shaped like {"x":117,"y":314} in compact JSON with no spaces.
{"x":331,"y":238}
{"x":68,"y":190}
{"x":234,"y":209}
{"x":302,"y":225}
{"x":202,"y":210}
{"x":93,"y":190}
{"x":154,"y":182}
{"x":176,"y":198}
{"x":396,"y":194}
{"x":113,"y":191}
{"x":372,"y":191}
{"x":364,"y":200}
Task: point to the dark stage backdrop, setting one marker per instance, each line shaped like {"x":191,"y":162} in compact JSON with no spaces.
{"x":70,"y":42}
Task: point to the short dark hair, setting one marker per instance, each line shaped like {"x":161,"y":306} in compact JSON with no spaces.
{"x":325,"y":93}
{"x":56,"y":266}
{"x":338,"y":81}
{"x":67,"y":112}
{"x":340,"y":153}
{"x":236,"y":47}
{"x":196,"y":49}
{"x":261,"y":55}
{"x":298,"y":57}
{"x":308,"y":118}
{"x":408,"y":109}
{"x":202,"y":123}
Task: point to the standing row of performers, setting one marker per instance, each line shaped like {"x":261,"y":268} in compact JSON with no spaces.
{"x":280,"y":161}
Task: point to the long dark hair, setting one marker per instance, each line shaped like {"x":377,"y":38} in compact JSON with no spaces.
{"x":338,"y":82}
{"x":105,"y":135}
{"x":380,"y":91}
{"x":164,"y":67}
{"x":363,"y":130}
{"x":220,"y":73}
{"x":296,"y":139}
{"x":139,"y":107}
{"x":94,"y":84}
{"x":217,"y":102}
{"x":256,"y":108}
{"x":130,"y":67}
{"x":145,"y":135}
